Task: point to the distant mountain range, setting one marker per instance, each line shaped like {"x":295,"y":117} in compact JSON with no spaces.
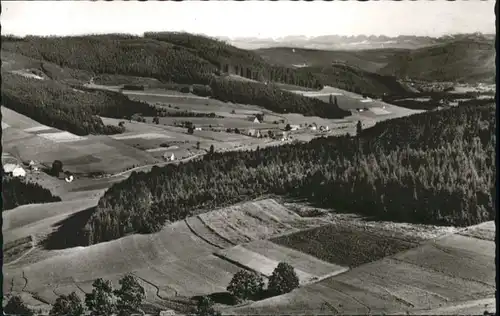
{"x":359,"y":42}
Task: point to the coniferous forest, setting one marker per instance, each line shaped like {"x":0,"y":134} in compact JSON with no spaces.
{"x":273,"y":98}
{"x":16,"y":192}
{"x":74,"y":110}
{"x":435,"y":167}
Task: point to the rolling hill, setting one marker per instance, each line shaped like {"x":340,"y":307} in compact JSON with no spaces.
{"x":463,"y":60}
{"x":52,"y":64}
{"x":459,"y":58}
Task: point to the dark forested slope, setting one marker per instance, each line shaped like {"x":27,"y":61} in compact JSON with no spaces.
{"x":61,"y":106}
{"x":435,"y":167}
{"x":172,"y":58}
{"x":16,"y":192}
{"x":272,"y":98}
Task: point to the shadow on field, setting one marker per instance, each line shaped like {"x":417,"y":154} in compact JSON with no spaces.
{"x":226,"y":298}
{"x":219,"y":298}
{"x":69,"y":231}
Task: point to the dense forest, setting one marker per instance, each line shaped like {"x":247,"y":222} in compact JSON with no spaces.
{"x":435,"y":167}
{"x":272,"y":98}
{"x":74,"y":110}
{"x":16,"y":192}
{"x":230,"y":59}
{"x":356,"y":80}
{"x":168,"y":57}
{"x":117,"y":54}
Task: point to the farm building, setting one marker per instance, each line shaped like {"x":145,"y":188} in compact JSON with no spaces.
{"x":256,"y":120}
{"x":33,"y":166}
{"x":9,"y":167}
{"x":68,"y":177}
{"x":254,"y":132}
{"x":169,"y":156}
{"x":294,"y":127}
{"x":18,"y":172}
{"x":313,"y":128}
{"x":197,"y":129}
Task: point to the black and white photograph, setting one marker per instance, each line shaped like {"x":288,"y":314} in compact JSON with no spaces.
{"x":216,"y":158}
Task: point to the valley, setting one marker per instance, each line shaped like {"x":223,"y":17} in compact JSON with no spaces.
{"x":181,"y":160}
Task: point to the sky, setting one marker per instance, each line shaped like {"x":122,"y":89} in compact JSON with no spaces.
{"x":261,"y":19}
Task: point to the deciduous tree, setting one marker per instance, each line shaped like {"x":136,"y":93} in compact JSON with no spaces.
{"x":283,"y":280}
{"x":245,"y":285}
{"x":68,"y":305}
{"x":102,"y":301}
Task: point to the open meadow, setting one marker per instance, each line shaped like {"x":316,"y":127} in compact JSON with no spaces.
{"x":199,"y":256}
{"x":177,"y":261}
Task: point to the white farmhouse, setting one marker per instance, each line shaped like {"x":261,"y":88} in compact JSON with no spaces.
{"x":9,"y":167}
{"x":19,"y":172}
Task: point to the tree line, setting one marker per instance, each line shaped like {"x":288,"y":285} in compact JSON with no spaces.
{"x":16,"y":192}
{"x":435,"y":167}
{"x":272,"y":98}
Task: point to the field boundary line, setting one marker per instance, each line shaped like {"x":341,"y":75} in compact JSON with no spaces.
{"x":215,"y":232}
{"x":199,"y":236}
{"x":240,"y":265}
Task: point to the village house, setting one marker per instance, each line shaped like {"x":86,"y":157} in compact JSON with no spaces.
{"x":169,"y":156}
{"x":254,"y":133}
{"x":256,"y":120}
{"x":14,"y":170}
{"x":68,"y":177}
{"x":294,"y":127}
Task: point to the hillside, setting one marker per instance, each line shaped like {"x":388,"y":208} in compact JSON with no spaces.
{"x":168,"y":57}
{"x":369,"y":60}
{"x":452,"y":167}
{"x":462,"y":60}
{"x":459,"y":58}
{"x":58,"y":105}
{"x":158,"y":58}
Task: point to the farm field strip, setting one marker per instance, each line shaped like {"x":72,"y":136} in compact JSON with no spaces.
{"x":345,"y":246}
{"x":258,"y":263}
{"x":61,"y":137}
{"x":37,"y":129}
{"x":16,"y":120}
{"x":144,"y":135}
{"x":297,"y":259}
{"x":421,"y":279}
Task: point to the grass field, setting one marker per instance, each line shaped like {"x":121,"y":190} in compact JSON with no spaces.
{"x":33,"y":219}
{"x":27,"y":141}
{"x":263,"y":257}
{"x":16,"y":120}
{"x":179,"y":262}
{"x":254,"y":221}
{"x":447,"y":271}
{"x":177,"y":259}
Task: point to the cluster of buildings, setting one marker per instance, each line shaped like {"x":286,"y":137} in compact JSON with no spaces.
{"x":18,"y":171}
